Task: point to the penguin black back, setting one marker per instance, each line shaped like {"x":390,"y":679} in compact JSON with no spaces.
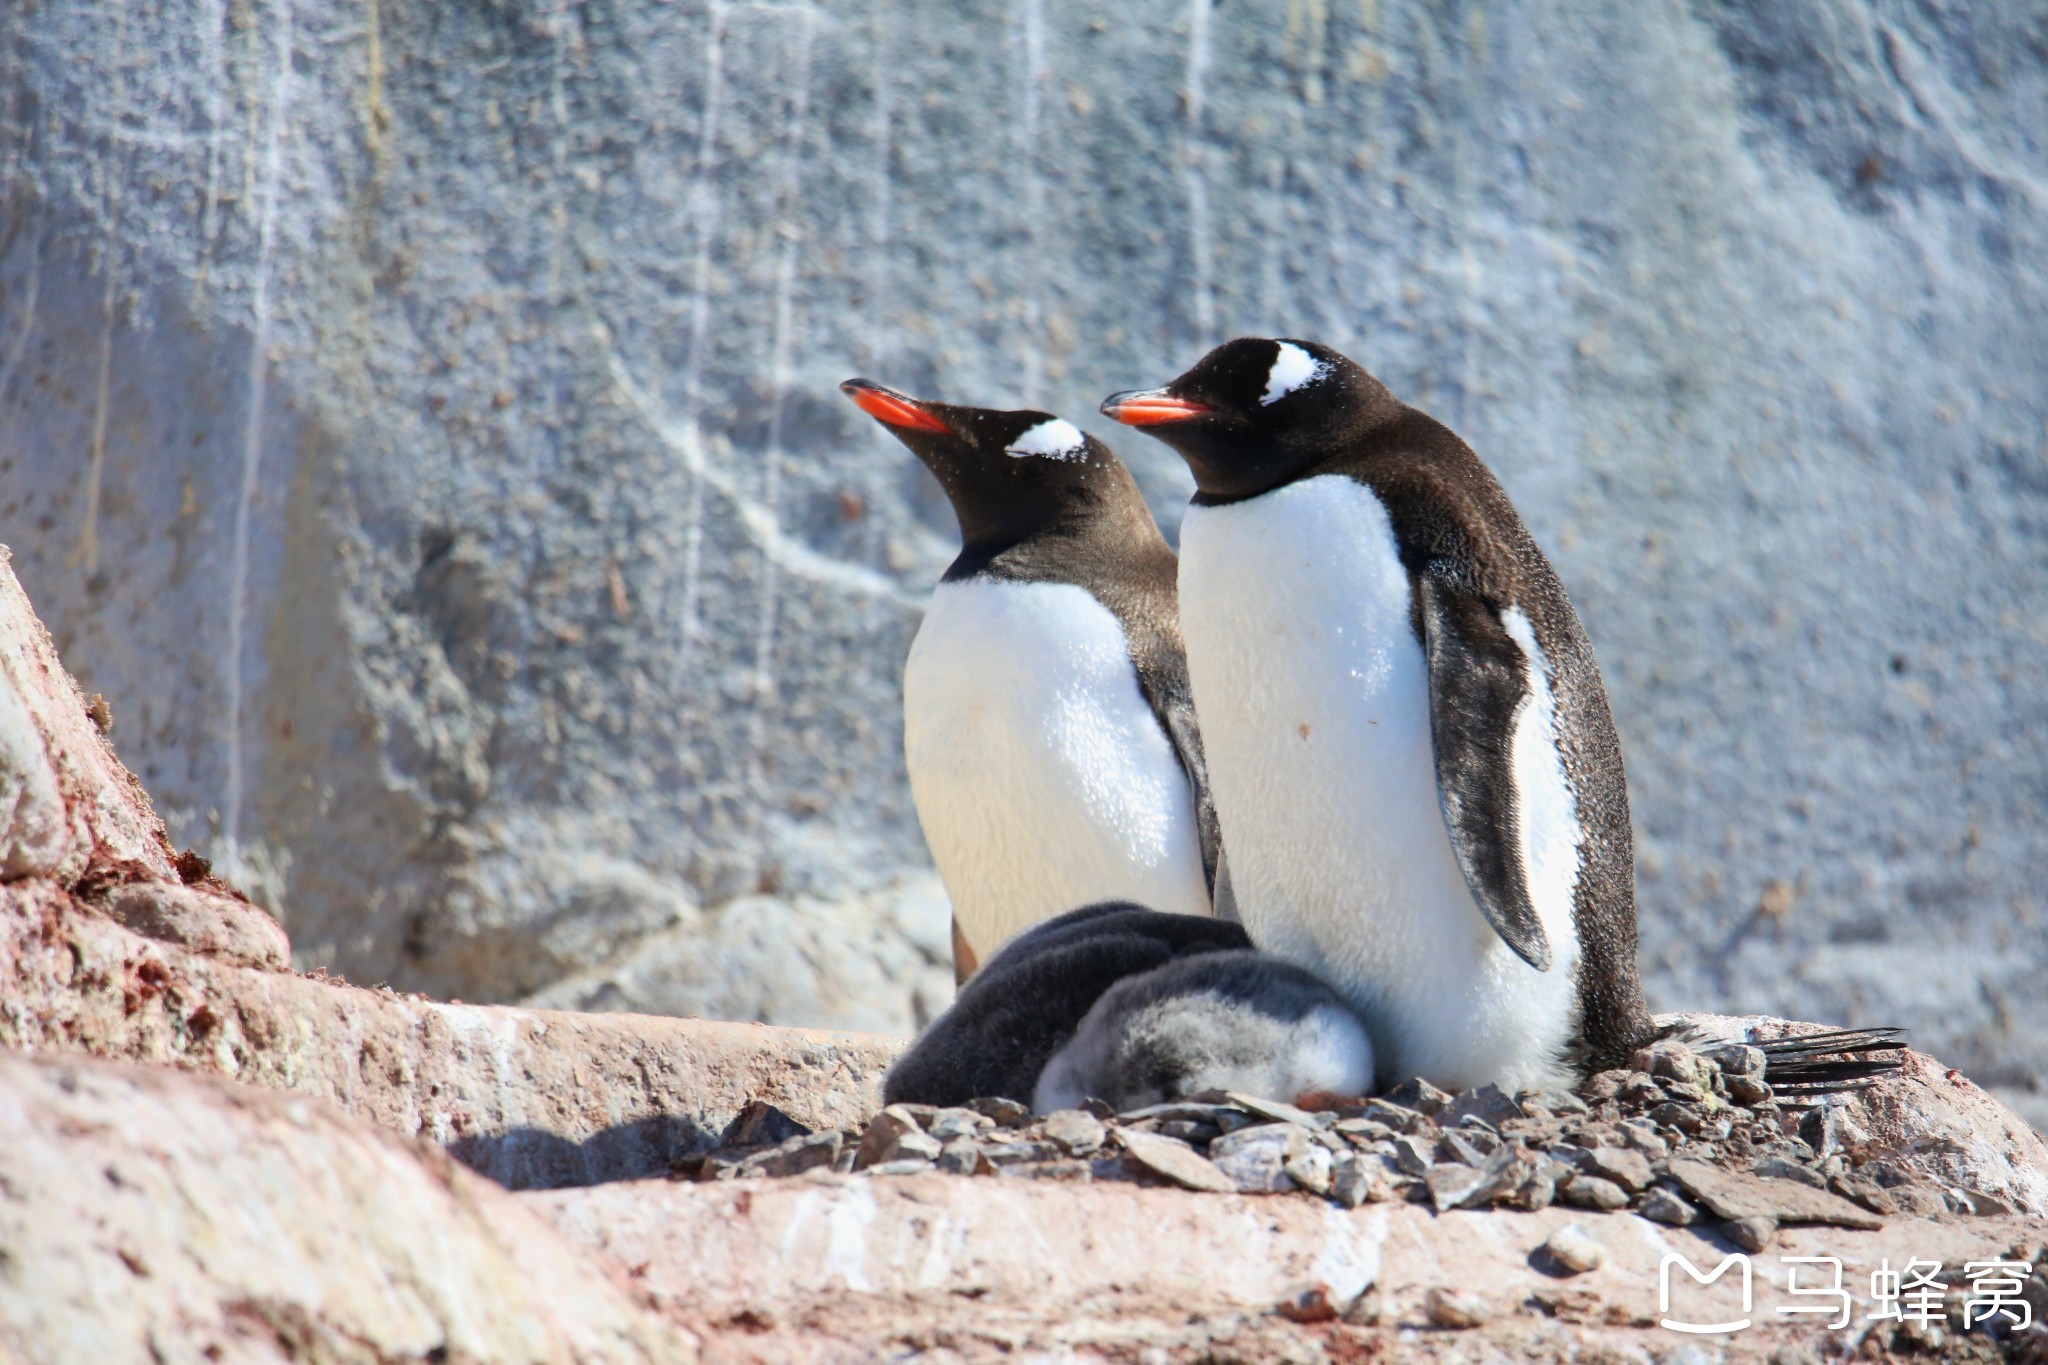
{"x":1027,"y":1001}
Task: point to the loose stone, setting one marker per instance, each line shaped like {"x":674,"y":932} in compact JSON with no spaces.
{"x":1310,"y":1167}
{"x":1603,"y":1086}
{"x":1591,"y":1192}
{"x":1275,"y":1112}
{"x":760,"y":1124}
{"x":1356,"y":1179}
{"x":1462,"y":1147}
{"x":1256,"y":1159}
{"x":1488,"y":1102}
{"x":1011,"y":1153}
{"x":805,"y":1152}
{"x":1662,"y":1206}
{"x":1397,"y":1118}
{"x":1450,"y":1184}
{"x":948,"y":1124}
{"x":1630,"y":1170}
{"x":1176,"y":1161}
{"x":1751,"y":1234}
{"x":1453,"y":1309}
{"x":1075,"y":1132}
{"x":885,"y":1136}
{"x":1190,"y":1130}
{"x":1418,"y":1095}
{"x":1005,"y":1113}
{"x":961,"y":1156}
{"x":1864,"y":1191}
{"x":1413,"y":1155}
{"x":1572,"y":1250}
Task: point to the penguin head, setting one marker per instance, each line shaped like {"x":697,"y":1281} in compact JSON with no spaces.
{"x":1007,"y":473}
{"x":1255,"y":412}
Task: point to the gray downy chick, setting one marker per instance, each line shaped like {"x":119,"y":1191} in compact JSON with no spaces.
{"x":1239,"y":1020}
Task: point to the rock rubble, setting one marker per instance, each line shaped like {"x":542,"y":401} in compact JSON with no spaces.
{"x":1689,"y":1130}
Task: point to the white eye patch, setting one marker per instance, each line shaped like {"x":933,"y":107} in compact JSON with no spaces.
{"x":1057,"y":439}
{"x":1292,"y":368}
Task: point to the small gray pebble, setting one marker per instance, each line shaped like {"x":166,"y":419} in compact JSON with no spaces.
{"x":1663,"y":1206}
{"x":948,"y":1124}
{"x":1454,"y":1309}
{"x":1190,"y":1130}
{"x":1351,"y":1180}
{"x":1077,"y":1133}
{"x":960,"y":1157}
{"x":1747,"y":1090}
{"x":1413,"y":1155}
{"x":1751,"y":1234}
{"x":1006,"y":1113}
{"x":1591,"y":1192}
{"x":1573,"y":1250}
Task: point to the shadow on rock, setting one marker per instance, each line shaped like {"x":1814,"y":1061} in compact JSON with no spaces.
{"x":534,"y":1159}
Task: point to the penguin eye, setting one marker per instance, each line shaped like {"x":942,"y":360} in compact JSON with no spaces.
{"x":1057,"y":439}
{"x":1293,"y":368}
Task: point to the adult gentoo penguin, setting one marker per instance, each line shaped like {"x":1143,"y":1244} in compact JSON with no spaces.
{"x":1047,"y":725}
{"x":1409,"y":741}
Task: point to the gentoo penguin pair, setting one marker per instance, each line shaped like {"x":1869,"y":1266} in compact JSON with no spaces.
{"x":1127,"y":1005}
{"x":1411,"y":747}
{"x":1047,"y":726}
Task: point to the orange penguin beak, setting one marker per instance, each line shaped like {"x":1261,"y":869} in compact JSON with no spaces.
{"x":890,"y":407}
{"x":1150,"y":408}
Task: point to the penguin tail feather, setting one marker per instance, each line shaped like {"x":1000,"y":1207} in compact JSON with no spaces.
{"x":1830,"y":1063}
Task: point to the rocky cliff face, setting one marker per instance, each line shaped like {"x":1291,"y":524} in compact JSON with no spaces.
{"x":417,"y":420}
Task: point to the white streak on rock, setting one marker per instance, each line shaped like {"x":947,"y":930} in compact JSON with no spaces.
{"x":793,"y":556}
{"x":789,"y":232}
{"x":704,"y":209}
{"x":88,"y":553}
{"x":1194,"y":172}
{"x":252,"y":426}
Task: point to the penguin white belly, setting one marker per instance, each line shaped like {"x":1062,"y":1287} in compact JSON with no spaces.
{"x":1042,"y":778}
{"x":1314,"y":699}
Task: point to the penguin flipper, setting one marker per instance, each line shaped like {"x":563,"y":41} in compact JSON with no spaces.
{"x":1478,"y":684}
{"x":1174,"y":705}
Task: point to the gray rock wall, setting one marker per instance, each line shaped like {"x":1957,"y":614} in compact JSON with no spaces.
{"x":418,"y":420}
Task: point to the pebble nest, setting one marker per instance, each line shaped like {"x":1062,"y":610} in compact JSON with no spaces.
{"x":1685,"y":1133}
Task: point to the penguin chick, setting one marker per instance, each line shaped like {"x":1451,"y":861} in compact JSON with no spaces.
{"x":1239,"y":1020}
{"x":1048,"y":728}
{"x":1407,"y":732}
{"x":1025,"y":1002}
